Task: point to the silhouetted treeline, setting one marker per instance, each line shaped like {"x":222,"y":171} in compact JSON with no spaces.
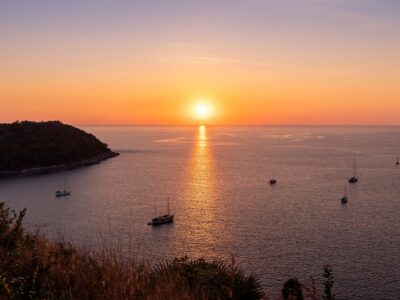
{"x":25,"y":145}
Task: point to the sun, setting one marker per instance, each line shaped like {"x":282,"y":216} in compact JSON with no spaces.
{"x":203,"y":110}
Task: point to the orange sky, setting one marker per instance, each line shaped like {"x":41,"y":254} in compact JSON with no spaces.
{"x":310,"y":64}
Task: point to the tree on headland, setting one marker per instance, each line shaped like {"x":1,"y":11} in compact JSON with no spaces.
{"x":26,"y":145}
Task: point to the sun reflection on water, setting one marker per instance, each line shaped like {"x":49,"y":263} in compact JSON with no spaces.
{"x":200,"y":199}
{"x":202,"y":136}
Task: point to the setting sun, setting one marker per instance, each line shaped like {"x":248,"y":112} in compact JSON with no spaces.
{"x":203,"y":110}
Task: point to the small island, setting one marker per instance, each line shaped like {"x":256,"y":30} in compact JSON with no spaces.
{"x":30,"y":148}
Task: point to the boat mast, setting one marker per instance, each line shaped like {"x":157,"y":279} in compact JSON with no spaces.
{"x":354,"y":167}
{"x":168,"y":204}
{"x":66,"y":186}
{"x":345,"y":190}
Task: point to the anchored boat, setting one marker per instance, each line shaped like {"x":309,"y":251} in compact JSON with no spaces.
{"x":344,"y":198}
{"x":272,"y":181}
{"x":165,"y":219}
{"x":354,"y":178}
{"x":64,"y":192}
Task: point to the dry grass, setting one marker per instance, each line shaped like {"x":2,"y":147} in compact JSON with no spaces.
{"x":32,"y":267}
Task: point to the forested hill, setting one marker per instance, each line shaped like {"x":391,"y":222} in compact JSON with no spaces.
{"x":47,"y":145}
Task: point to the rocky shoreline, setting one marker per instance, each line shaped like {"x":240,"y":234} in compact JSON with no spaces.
{"x":56,"y":168}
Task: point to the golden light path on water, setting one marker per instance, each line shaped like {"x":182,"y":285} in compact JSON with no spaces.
{"x":201,"y":197}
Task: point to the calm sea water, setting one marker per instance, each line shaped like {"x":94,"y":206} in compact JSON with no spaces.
{"x":216,"y":179}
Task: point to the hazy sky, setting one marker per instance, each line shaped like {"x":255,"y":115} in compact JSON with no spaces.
{"x":150,"y":62}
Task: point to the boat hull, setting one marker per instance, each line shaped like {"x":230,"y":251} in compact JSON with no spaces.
{"x":62,"y":194}
{"x":353,"y":180}
{"x":162,"y":220}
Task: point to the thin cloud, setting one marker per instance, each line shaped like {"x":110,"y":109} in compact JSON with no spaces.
{"x":210,"y":59}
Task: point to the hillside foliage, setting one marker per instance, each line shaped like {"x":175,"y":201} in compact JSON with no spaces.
{"x":25,"y":145}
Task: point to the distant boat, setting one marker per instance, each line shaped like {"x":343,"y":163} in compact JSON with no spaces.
{"x":64,"y":192}
{"x":354,"y":178}
{"x":344,"y":198}
{"x":272,"y":181}
{"x":397,"y":161}
{"x":165,"y":219}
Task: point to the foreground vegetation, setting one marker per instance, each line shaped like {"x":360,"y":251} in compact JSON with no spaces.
{"x":27,"y":145}
{"x":32,"y":267}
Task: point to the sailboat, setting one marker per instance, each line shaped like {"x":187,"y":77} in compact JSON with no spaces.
{"x":354,"y":178}
{"x":168,"y":218}
{"x":344,"y":198}
{"x":397,"y":161}
{"x":272,"y":181}
{"x":64,"y":192}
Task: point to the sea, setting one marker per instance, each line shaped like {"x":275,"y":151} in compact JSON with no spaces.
{"x":215,"y":179}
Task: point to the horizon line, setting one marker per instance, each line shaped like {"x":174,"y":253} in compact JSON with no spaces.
{"x":242,"y":125}
{"x":210,"y":124}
